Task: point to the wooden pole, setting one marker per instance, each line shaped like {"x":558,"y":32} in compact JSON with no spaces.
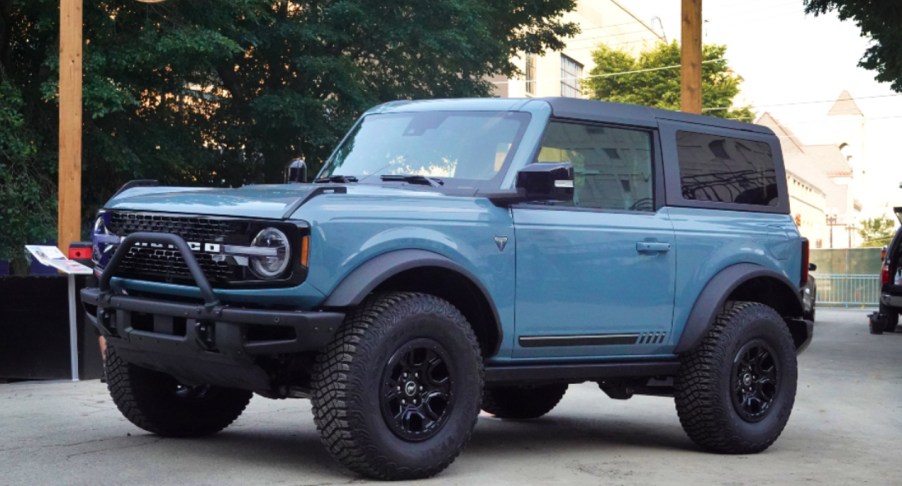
{"x":69,"y":205}
{"x":691,"y":57}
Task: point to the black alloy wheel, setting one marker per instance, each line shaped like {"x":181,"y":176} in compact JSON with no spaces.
{"x":755,"y":381}
{"x":417,"y":396}
{"x":397,"y":392}
{"x":735,"y":391}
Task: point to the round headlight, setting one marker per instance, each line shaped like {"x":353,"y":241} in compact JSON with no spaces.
{"x":273,"y":264}
{"x":97,"y":249}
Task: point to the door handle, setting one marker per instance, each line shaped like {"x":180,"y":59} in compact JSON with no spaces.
{"x":652,"y":247}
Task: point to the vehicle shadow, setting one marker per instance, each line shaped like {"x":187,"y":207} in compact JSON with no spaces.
{"x":300,"y":451}
{"x":500,"y":437}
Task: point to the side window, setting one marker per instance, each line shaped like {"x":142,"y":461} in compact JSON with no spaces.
{"x":612,"y":167}
{"x":726,"y":169}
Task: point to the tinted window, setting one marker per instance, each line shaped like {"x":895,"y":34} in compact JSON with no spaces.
{"x":726,"y":169}
{"x":611,"y":166}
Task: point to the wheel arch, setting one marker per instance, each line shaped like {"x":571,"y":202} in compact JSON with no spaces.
{"x":428,"y":272}
{"x":745,"y":282}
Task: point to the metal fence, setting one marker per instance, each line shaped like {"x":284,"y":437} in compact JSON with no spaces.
{"x":857,"y":261}
{"x":847,"y":290}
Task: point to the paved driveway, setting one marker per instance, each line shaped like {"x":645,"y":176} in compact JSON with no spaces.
{"x":846,"y":428}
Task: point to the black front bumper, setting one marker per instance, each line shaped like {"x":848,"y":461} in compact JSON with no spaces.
{"x":200,"y":343}
{"x":195,"y":328}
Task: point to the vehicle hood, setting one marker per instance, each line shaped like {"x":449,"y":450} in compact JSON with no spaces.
{"x":276,"y":201}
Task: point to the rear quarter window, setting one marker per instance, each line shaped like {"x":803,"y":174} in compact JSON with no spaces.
{"x":725,"y":169}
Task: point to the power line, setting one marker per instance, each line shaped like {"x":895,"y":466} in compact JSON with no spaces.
{"x":608,"y":75}
{"x":810,"y":102}
{"x":719,"y":20}
{"x":618,"y":34}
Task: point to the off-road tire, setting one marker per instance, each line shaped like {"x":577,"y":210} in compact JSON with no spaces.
{"x":158,"y":403}
{"x":704,"y":387}
{"x":355,"y":372}
{"x":522,"y":402}
{"x":890,"y":318}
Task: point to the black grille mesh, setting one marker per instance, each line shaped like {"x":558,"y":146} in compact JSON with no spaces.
{"x":188,"y":227}
{"x":168,"y":265}
{"x":161,"y":264}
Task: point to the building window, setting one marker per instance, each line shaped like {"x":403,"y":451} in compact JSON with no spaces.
{"x":530,"y":74}
{"x":571,"y":73}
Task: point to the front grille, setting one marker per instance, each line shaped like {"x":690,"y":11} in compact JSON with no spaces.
{"x":167,"y":265}
{"x":191,"y":228}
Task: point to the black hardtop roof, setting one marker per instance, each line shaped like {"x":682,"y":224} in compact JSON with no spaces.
{"x":604,"y":111}
{"x":573,"y":108}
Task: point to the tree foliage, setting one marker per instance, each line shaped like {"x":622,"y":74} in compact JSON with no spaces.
{"x":226,"y":92}
{"x":657,"y":84}
{"x":876,"y":232}
{"x":878,"y":19}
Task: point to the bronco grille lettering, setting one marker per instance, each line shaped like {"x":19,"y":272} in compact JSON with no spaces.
{"x":192,"y":245}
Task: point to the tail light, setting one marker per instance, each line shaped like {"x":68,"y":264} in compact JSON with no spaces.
{"x":884,"y":274}
{"x":805,"y":260}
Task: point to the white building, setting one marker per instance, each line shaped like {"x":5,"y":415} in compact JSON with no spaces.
{"x":823,"y":194}
{"x":870,"y":150}
{"x":559,"y":73}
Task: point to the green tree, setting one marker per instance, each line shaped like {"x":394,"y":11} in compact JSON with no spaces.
{"x":23,"y":209}
{"x":876,"y":232}
{"x":657,"y":82}
{"x":226,"y":92}
{"x":879,"y":20}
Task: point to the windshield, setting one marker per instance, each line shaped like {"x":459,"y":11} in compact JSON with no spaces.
{"x":441,"y":145}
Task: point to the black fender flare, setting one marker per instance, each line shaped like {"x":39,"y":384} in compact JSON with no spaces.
{"x":368,"y":276}
{"x":713,"y":297}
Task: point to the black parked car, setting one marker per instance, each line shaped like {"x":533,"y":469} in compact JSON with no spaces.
{"x":891,"y":284}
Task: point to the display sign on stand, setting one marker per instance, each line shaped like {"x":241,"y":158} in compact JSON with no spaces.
{"x":51,"y":256}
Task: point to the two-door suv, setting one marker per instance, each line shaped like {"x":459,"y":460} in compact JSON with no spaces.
{"x":458,"y":255}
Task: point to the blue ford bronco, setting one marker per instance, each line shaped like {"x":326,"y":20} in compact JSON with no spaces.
{"x":454,"y":256}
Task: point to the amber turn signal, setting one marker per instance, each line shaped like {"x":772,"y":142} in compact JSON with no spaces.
{"x":305,"y":250}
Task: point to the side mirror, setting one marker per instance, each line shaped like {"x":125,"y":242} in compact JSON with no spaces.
{"x":296,"y":172}
{"x":812,"y":267}
{"x":883,"y":253}
{"x":546,"y":182}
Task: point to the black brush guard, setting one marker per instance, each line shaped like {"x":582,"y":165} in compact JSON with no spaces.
{"x":208,"y":343}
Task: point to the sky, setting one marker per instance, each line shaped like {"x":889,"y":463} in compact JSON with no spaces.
{"x":795,"y":66}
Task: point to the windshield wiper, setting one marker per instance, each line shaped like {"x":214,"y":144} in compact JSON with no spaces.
{"x":414,"y":179}
{"x":336,"y":178}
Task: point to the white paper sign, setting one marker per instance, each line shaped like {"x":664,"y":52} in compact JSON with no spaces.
{"x":71,"y":267}
{"x":51,"y":256}
{"x":45,"y":254}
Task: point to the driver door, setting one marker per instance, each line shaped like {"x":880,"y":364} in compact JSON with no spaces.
{"x":596,"y":276}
